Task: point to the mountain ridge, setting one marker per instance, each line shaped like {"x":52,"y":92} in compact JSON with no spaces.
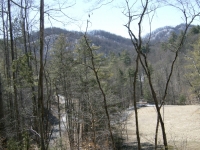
{"x":162,"y":34}
{"x":109,"y":42}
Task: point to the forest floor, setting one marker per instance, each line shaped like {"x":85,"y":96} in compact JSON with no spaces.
{"x":182,"y":124}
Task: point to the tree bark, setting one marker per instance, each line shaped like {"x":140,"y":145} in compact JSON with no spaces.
{"x":41,"y":76}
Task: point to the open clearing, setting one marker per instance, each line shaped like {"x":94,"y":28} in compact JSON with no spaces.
{"x":182,"y":125}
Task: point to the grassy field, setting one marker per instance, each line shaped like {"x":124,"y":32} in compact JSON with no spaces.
{"x":182,"y":124}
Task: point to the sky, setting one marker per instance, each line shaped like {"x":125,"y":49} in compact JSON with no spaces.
{"x":110,"y":17}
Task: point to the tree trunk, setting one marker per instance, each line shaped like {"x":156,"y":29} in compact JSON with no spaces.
{"x":8,"y":94}
{"x":40,"y":82}
{"x":13,"y":73}
{"x":102,"y":92}
{"x":156,"y":133}
{"x":29,"y":52}
{"x":134,"y":102}
{"x":2,"y":123}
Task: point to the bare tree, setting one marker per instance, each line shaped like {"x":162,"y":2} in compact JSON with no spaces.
{"x":137,"y":41}
{"x":95,"y":70}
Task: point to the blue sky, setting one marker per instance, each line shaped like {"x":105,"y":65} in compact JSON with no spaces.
{"x":110,"y":18}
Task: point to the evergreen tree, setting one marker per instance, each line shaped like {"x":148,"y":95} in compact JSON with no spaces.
{"x":193,"y":69}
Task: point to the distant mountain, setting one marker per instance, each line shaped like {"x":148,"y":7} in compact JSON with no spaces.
{"x":109,"y":36}
{"x":107,"y":42}
{"x":110,"y":42}
{"x":163,"y":34}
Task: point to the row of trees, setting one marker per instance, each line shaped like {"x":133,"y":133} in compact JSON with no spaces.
{"x":97,"y":88}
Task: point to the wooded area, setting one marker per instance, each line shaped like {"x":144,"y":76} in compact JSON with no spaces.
{"x":56,"y":93}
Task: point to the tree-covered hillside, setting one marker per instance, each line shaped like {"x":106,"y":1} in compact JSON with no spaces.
{"x":63,"y":89}
{"x":106,"y":41}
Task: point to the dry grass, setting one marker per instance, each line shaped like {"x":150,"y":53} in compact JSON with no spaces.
{"x":182,"y":124}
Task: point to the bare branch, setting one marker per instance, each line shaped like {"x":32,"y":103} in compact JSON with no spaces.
{"x":100,"y":5}
{"x":100,"y":86}
{"x":180,"y":45}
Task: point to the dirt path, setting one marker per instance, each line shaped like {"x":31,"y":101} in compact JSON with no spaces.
{"x":182,"y":124}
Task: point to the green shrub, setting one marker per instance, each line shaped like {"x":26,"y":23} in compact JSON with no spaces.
{"x":13,"y":144}
{"x":24,"y":144}
{"x":182,"y":100}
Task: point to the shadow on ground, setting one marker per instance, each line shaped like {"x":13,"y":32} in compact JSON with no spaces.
{"x":144,"y":146}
